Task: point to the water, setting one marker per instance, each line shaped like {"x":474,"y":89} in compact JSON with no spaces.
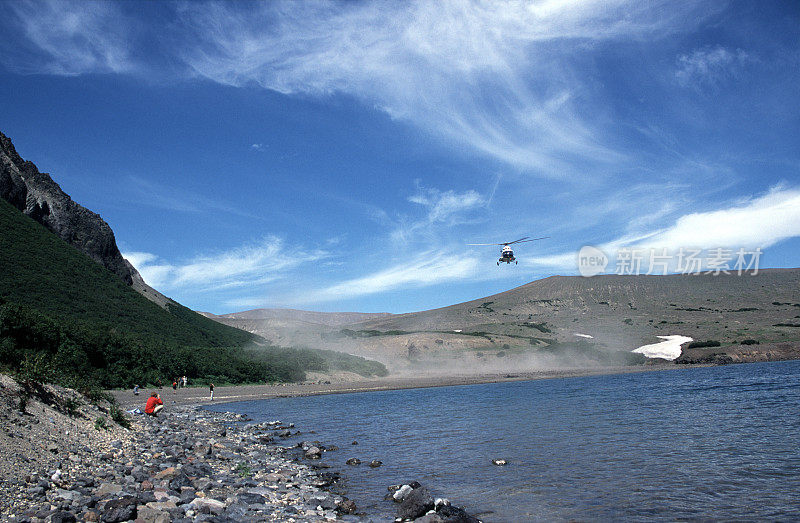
{"x":720,"y":442}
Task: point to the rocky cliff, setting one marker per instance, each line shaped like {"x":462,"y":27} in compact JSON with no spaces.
{"x":38,"y":196}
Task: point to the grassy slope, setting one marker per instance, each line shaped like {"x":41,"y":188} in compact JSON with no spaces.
{"x":41,"y":271}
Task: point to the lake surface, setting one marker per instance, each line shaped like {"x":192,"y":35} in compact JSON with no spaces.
{"x":719,"y":442}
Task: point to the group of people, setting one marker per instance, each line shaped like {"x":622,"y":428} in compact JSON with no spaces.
{"x":179,"y":382}
{"x":154,"y":403}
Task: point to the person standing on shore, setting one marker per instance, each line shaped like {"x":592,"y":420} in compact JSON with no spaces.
{"x":136,"y":390}
{"x":211,"y":390}
{"x":175,"y":385}
{"x":154,"y":405}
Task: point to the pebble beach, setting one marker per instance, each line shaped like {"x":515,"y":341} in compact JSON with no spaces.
{"x":186,"y":464}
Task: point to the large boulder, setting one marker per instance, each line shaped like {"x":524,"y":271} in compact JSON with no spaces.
{"x":416,"y":504}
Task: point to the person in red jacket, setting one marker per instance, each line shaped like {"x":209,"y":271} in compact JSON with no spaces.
{"x":154,"y":405}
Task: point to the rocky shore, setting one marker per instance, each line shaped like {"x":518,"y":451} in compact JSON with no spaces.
{"x":64,"y":459}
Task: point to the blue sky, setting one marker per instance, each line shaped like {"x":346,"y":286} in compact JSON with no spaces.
{"x":341,"y":156}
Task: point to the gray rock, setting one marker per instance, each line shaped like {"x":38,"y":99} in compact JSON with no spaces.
{"x":452,"y":514}
{"x":202,"y":483}
{"x":430,"y":518}
{"x":108,"y":488}
{"x":250,"y":498}
{"x":347,"y":506}
{"x":119,"y":509}
{"x":63,"y":517}
{"x":67,"y":495}
{"x":415,"y":504}
{"x":401,"y":492}
{"x":151,"y":515}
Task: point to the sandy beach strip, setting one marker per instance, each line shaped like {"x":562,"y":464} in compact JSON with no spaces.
{"x":228,"y":394}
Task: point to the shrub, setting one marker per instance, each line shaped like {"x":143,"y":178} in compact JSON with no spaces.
{"x":699,"y":344}
{"x":750,"y":342}
{"x":100,"y":423}
{"x":243,"y":469}
{"x":118,"y":415}
{"x":70,"y":406}
{"x":23,"y":401}
{"x":542,"y":327}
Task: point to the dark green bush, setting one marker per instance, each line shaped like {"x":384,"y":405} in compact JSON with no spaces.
{"x":118,"y":415}
{"x":100,"y":423}
{"x":700,"y":344}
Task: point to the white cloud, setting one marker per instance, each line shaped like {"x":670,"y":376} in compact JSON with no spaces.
{"x":758,"y":222}
{"x":496,"y":78}
{"x":443,"y":208}
{"x":140,"y":259}
{"x":69,"y":38}
{"x":444,"y":205}
{"x":250,"y":265}
{"x":429,"y":268}
{"x":457,"y":69}
{"x":708,"y":65}
{"x":257,"y":146}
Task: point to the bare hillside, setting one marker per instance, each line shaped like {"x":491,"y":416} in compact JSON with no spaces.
{"x":574,"y":320}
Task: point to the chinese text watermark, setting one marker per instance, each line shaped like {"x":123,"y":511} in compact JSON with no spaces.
{"x":662,"y":261}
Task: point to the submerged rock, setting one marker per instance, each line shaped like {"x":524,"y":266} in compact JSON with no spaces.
{"x":313,"y":453}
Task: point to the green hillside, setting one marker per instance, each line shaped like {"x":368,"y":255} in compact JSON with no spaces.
{"x":66,"y":319}
{"x":39,"y":270}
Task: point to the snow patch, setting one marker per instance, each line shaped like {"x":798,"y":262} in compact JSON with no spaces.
{"x":668,"y":349}
{"x":583,"y":335}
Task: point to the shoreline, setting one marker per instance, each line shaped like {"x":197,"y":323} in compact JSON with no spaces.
{"x":187,"y":464}
{"x":199,"y":396}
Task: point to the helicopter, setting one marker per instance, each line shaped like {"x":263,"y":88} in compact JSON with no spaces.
{"x":507,"y":254}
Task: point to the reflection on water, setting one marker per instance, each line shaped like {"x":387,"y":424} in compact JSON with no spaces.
{"x":692,"y":443}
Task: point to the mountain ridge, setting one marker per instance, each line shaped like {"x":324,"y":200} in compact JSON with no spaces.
{"x":39,"y":197}
{"x":306,"y":316}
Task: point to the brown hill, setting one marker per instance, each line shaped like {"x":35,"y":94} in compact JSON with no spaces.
{"x":571,"y":319}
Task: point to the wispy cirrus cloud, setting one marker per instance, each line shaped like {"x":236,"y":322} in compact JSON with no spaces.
{"x":709,"y":65}
{"x":68,"y":38}
{"x":443,"y":210}
{"x":425,"y":269}
{"x":460,"y":70}
{"x":250,"y":265}
{"x":444,"y":205}
{"x":493,"y":78}
{"x":162,"y":196}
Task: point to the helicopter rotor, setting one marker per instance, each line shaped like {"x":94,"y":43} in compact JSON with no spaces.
{"x":521,"y":240}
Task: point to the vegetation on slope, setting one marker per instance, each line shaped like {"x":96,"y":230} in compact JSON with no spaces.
{"x":68,"y":320}
{"x":41,"y":271}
